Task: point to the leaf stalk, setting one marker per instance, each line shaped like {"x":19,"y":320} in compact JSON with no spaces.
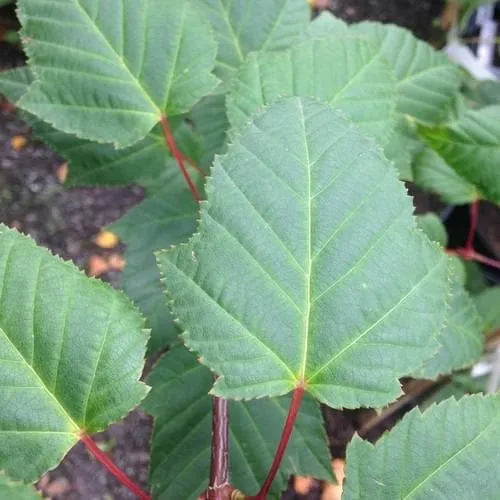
{"x":293,"y":411}
{"x":179,"y":157}
{"x":111,"y":467}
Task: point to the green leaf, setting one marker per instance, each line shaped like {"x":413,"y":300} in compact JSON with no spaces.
{"x":180,"y":460}
{"x":164,"y":219}
{"x":211,"y":123}
{"x":475,"y":281}
{"x":426,"y":79}
{"x":287,"y":282}
{"x":15,"y":82}
{"x":459,"y":385}
{"x":344,"y":72}
{"x":432,"y":226}
{"x":461,"y":338}
{"x":488,"y":305}
{"x":16,"y":491}
{"x":485,"y":93}
{"x":471,"y":146}
{"x":101,"y":164}
{"x":326,"y":24}
{"x":107,"y":71}
{"x":457,"y":458}
{"x":242,"y":27}
{"x":432,"y":173}
{"x":71,"y":353}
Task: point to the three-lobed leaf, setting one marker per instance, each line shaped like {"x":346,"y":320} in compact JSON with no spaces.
{"x":71,"y":353}
{"x":254,"y":430}
{"x":457,"y":454}
{"x":299,"y":273}
{"x":107,"y":71}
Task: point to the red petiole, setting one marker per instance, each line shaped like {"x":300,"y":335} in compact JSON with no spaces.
{"x":468,"y":252}
{"x":113,"y":468}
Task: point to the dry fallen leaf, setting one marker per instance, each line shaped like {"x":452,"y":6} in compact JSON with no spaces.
{"x":62,"y":173}
{"x":106,"y":239}
{"x":116,"y":261}
{"x":334,"y":491}
{"x":319,"y":4}
{"x":302,"y":484}
{"x":57,"y":487}
{"x":97,"y":265}
{"x":18,"y":142}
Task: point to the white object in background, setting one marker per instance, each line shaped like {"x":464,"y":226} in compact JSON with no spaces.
{"x":462,"y":55}
{"x":487,"y":35}
{"x":494,"y":380}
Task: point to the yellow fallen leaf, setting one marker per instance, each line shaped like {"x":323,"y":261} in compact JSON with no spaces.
{"x":116,"y":261}
{"x":62,"y":173}
{"x":319,"y":4}
{"x":302,"y":484}
{"x":18,"y":142}
{"x":97,"y":265}
{"x":106,"y":239}
{"x":334,"y":491}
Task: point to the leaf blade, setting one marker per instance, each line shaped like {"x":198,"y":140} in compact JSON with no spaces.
{"x":97,"y":73}
{"x":448,"y":429}
{"x":235,"y":334}
{"x":76,"y":371}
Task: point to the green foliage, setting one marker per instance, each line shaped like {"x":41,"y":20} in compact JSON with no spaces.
{"x":242,"y":27}
{"x":471,"y":146}
{"x":303,"y":268}
{"x":255,"y":428}
{"x":110,"y":70}
{"x":323,"y":240}
{"x":454,"y":438}
{"x":488,"y":305}
{"x":166,"y":218}
{"x":432,"y":226}
{"x":431,"y":172}
{"x":347,"y":73}
{"x":72,"y":351}
{"x":16,"y":491}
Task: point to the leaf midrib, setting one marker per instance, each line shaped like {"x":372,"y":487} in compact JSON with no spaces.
{"x":42,"y":386}
{"x":119,"y":58}
{"x":308,"y":271}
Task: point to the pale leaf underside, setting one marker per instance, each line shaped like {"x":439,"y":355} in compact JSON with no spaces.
{"x":299,"y":274}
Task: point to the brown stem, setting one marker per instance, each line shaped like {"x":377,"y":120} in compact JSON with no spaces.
{"x":293,"y":411}
{"x":113,"y":468}
{"x":219,"y":470}
{"x":174,"y":150}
